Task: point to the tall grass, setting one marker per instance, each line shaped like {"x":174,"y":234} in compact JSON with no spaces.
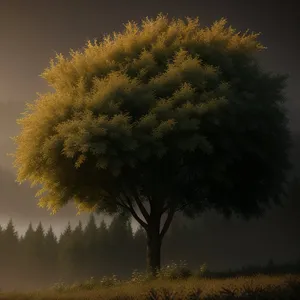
{"x":174,"y":281}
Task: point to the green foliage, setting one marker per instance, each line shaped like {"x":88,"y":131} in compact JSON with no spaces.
{"x":34,"y":249}
{"x":175,"y":271}
{"x":51,"y":252}
{"x":140,"y":277}
{"x":108,"y":281}
{"x":202,"y":271}
{"x":9,"y":244}
{"x":168,"y":111}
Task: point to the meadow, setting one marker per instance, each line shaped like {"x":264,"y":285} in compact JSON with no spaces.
{"x":172,"y":282}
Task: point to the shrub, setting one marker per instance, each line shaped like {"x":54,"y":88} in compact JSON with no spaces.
{"x":108,"y":281}
{"x":175,"y":271}
{"x":139,"y":277}
{"x":60,"y":287}
{"x":202,"y":271}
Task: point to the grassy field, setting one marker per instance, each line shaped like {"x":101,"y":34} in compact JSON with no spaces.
{"x":252,"y":287}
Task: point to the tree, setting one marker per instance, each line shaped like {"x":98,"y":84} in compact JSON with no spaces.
{"x":39,"y":243}
{"x":139,"y":246}
{"x":75,"y":252}
{"x":104,"y":261}
{"x":90,"y":246}
{"x":65,"y":257}
{"x":164,"y":117}
{"x":10,"y":249}
{"x":121,"y":240}
{"x":33,"y":252}
{"x":51,"y":254}
{"x":28,"y":249}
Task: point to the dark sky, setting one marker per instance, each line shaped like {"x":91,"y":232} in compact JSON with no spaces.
{"x":31,"y":32}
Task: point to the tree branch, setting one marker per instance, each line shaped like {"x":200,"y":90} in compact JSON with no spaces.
{"x":182,"y":207}
{"x":129,"y":206}
{"x":165,"y":209}
{"x":167,"y":222}
{"x":122,"y":204}
{"x":141,"y":206}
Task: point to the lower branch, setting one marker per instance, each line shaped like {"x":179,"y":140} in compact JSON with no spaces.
{"x":167,"y":222}
{"x":128,"y":205}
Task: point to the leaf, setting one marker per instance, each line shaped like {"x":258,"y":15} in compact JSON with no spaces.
{"x":163,"y":128}
{"x":102,"y":162}
{"x":81,"y":159}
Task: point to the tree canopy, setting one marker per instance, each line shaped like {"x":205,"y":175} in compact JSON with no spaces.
{"x":166,"y":116}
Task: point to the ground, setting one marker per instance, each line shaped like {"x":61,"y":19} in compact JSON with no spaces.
{"x":251,"y":287}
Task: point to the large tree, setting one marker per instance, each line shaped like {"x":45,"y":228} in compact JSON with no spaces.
{"x":166,"y":116}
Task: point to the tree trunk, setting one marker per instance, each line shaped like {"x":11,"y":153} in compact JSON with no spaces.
{"x":153,"y":249}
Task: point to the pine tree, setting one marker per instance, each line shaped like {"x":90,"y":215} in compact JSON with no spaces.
{"x":10,"y":247}
{"x":33,"y":252}
{"x":121,"y":242}
{"x":51,"y":254}
{"x":139,"y":249}
{"x":39,"y":244}
{"x":28,"y":250}
{"x":29,"y":232}
{"x":77,"y":251}
{"x":66,"y":265}
{"x":103,"y":260}
{"x":91,"y":247}
{"x":10,"y":234}
{"x":39,"y":235}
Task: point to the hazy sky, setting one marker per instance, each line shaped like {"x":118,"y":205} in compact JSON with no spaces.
{"x":31,"y":32}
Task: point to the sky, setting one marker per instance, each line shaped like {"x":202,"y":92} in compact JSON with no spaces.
{"x":32,"y":31}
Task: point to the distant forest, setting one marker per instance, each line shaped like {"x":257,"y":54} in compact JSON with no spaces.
{"x":39,"y":259}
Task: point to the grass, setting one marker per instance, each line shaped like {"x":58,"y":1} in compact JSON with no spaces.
{"x":173,"y":282}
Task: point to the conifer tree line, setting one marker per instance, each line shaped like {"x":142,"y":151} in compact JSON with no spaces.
{"x":39,"y":257}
